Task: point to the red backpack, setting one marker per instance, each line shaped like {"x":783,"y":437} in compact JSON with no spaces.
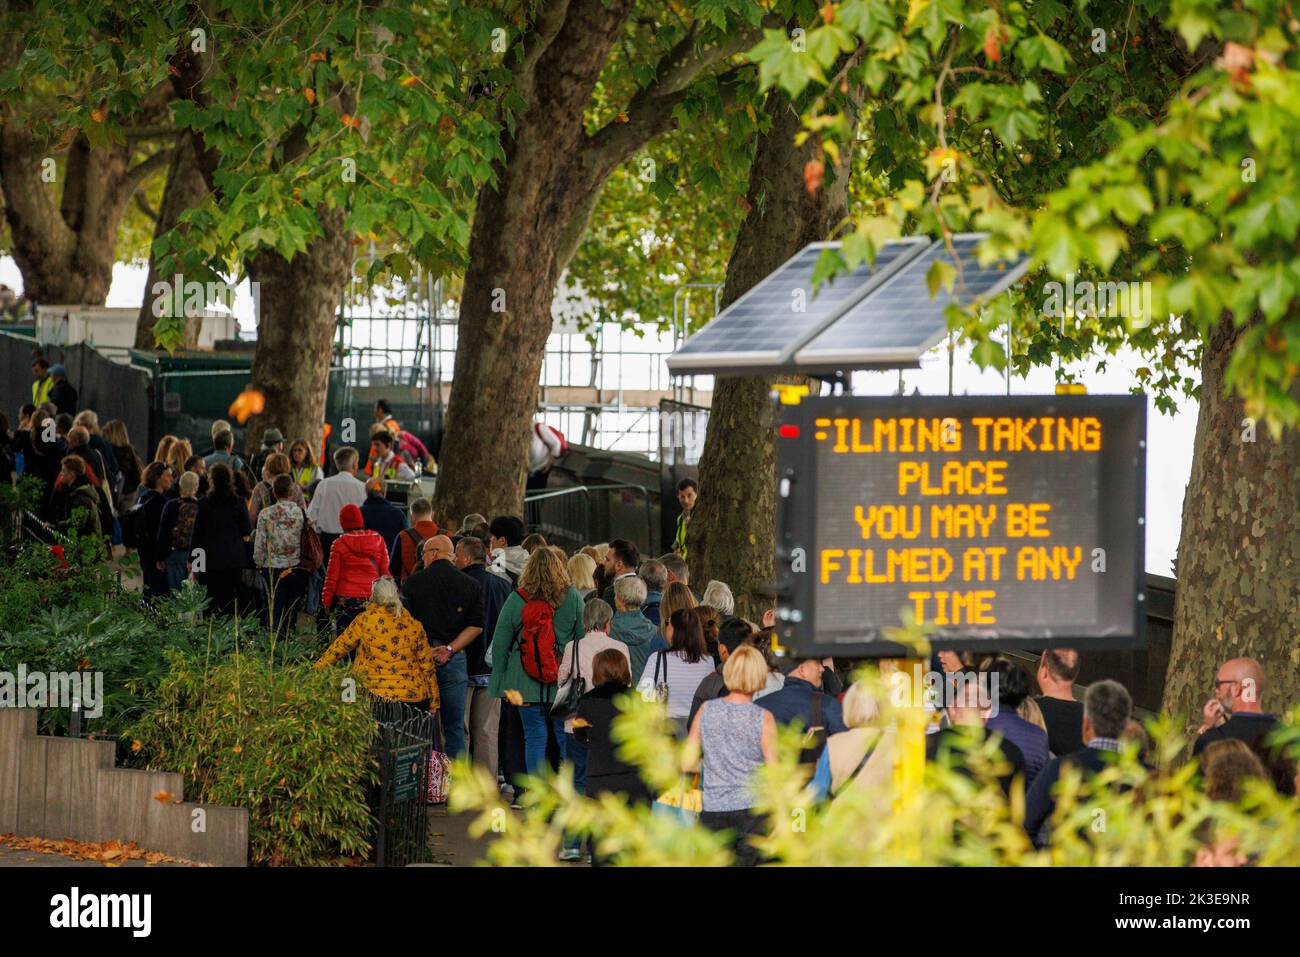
{"x":537,"y":639}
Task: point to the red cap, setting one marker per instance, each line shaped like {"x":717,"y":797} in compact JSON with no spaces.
{"x":350,"y":518}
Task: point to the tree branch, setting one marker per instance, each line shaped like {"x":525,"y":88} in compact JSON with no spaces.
{"x":650,"y":112}
{"x":543,"y":33}
{"x":151,"y":132}
{"x":141,"y":171}
{"x":142,"y":204}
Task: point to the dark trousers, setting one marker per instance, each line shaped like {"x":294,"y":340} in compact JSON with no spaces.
{"x":223,"y":589}
{"x":512,"y":752}
{"x":155,"y":581}
{"x":510,"y":742}
{"x":287,"y":598}
{"x":743,"y":825}
{"x":318,"y":580}
{"x":346,"y":611}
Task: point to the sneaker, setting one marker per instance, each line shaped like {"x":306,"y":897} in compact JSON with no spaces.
{"x":570,"y":854}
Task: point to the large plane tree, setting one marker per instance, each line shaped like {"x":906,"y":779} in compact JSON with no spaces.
{"x":589,"y":84}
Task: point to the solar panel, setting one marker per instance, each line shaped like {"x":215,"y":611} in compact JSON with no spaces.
{"x":900,"y":321}
{"x":765,"y":325}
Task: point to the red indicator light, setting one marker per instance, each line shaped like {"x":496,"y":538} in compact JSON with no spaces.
{"x":788,"y":431}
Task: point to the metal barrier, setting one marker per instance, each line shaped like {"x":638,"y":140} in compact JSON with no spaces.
{"x":562,"y":516}
{"x":401,"y":818}
{"x":581,"y":514}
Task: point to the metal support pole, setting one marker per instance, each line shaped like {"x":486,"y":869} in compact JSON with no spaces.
{"x":1009,"y":348}
{"x":951,"y":347}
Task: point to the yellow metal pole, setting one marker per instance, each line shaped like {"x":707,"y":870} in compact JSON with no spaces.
{"x":909,"y":756}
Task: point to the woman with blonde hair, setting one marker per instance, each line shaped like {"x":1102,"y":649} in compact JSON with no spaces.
{"x":128,"y":462}
{"x":394,"y":660}
{"x":177,"y":455}
{"x":677,"y":597}
{"x":164,"y":449}
{"x":528,"y":684}
{"x":277,"y":464}
{"x":597,"y":553}
{"x":730,"y":739}
{"x":582,"y":569}
{"x":1029,"y":710}
{"x":861,"y":757}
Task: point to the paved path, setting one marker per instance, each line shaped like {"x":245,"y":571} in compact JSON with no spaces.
{"x":450,"y":840}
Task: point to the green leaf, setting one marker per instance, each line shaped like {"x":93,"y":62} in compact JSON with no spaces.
{"x":941,"y":275}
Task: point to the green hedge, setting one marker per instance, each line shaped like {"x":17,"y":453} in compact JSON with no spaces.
{"x":280,"y":741}
{"x":245,"y":719}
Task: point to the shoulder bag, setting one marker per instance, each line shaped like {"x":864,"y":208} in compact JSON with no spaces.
{"x":571,"y":688}
{"x":311,"y":554}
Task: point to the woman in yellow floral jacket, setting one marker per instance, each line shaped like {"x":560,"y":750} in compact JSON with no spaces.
{"x":394,"y":660}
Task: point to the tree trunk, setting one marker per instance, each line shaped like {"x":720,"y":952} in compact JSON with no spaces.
{"x":65,"y":251}
{"x":732,"y":537}
{"x":523,"y":230}
{"x":185,"y":189}
{"x":1239,"y":553}
{"x":299,"y":302}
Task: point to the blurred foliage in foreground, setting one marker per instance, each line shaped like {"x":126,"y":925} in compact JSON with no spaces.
{"x":1128,"y":815}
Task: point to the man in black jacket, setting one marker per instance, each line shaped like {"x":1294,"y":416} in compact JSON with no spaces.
{"x":484,"y":710}
{"x":381,"y":515}
{"x":1235,"y":710}
{"x":449,"y":604}
{"x":63,"y":395}
{"x":1106,"y":710}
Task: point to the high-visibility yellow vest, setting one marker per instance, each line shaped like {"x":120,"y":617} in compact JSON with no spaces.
{"x":679,"y":540}
{"x":41,"y":389}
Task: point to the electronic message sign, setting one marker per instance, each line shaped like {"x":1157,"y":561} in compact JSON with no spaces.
{"x":999,"y":522}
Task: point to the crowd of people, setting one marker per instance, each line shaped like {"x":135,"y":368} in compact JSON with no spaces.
{"x":522,"y":649}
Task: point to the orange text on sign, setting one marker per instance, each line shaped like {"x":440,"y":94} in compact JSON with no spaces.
{"x":953,"y":478}
{"x":953,"y":607}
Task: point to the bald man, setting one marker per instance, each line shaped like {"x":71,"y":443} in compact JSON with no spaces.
{"x":449,"y":604}
{"x":1236,"y":710}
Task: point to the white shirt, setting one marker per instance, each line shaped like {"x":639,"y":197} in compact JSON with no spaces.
{"x":330,"y":497}
{"x":682,"y":677}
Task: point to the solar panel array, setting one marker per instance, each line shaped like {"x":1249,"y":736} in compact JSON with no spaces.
{"x":875,"y":316}
{"x":766,"y":323}
{"x":900,"y":321}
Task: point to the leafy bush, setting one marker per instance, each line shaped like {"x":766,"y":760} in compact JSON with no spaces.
{"x":280,"y":741}
{"x":241,"y":715}
{"x":953,"y":818}
{"x":78,"y":618}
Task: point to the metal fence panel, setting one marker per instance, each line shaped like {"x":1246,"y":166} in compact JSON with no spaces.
{"x":112,"y":389}
{"x":403,"y":738}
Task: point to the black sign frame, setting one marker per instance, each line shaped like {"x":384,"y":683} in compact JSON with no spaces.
{"x":1123,"y":475}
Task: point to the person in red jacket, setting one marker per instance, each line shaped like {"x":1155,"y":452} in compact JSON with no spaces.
{"x":357,"y":558}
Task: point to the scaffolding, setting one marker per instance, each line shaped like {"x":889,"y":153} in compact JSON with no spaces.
{"x":601,"y":386}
